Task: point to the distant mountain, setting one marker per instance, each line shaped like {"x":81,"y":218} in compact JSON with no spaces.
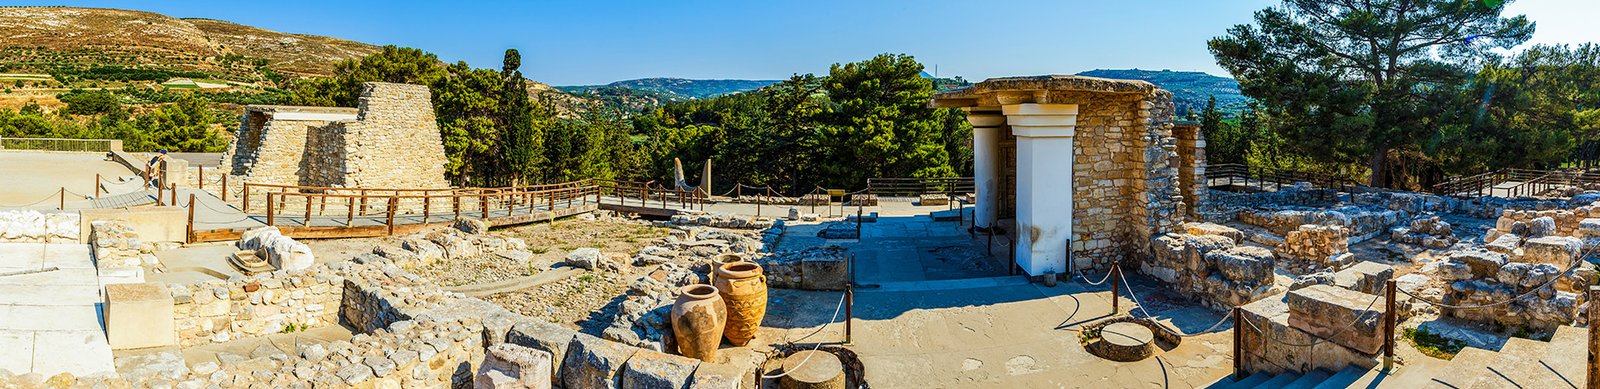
{"x":1189,"y":89}
{"x":675,"y":89}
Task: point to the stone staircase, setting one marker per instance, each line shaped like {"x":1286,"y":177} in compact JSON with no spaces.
{"x":1521,"y":363}
{"x":1316,"y":379}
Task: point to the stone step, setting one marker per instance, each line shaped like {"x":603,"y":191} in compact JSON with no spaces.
{"x":1566,"y":356}
{"x":1248,"y":382}
{"x":1343,"y":379}
{"x":1515,"y":366}
{"x":1279,"y":382}
{"x":1466,"y":369}
{"x":1309,"y":380}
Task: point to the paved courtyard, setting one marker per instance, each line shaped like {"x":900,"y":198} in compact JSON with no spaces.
{"x":36,"y":178}
{"x":50,"y":319}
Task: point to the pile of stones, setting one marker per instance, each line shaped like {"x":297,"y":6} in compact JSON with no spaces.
{"x":719,"y":220}
{"x":1213,"y":269}
{"x":1532,"y":273}
{"x":1313,"y":248}
{"x":117,"y":245}
{"x":35,"y":227}
{"x":1427,"y":232}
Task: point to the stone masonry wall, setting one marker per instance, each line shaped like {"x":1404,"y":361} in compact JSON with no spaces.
{"x":1123,"y":173}
{"x":395,"y":141}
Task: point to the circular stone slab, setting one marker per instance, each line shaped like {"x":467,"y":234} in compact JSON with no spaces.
{"x":1127,"y":341}
{"x":822,"y":370}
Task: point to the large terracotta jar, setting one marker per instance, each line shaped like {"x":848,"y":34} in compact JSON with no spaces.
{"x":698,"y":317}
{"x":744,"y":289}
{"x":722,"y":259}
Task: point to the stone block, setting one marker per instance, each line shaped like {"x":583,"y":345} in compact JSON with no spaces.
{"x":1589,"y":228}
{"x":508,"y":365}
{"x":933,"y":199}
{"x":718,"y":376}
{"x":544,"y":336}
{"x":1555,"y":250}
{"x":1342,"y":316}
{"x":1365,"y":277}
{"x":650,"y":369}
{"x":824,"y":273}
{"x":1271,"y":316}
{"x":1482,"y":263}
{"x":1246,"y":264}
{"x":139,"y":315}
{"x":1506,"y":243}
{"x":1541,"y":226}
{"x":470,"y":225}
{"x":1214,"y":229}
{"x":594,"y":363}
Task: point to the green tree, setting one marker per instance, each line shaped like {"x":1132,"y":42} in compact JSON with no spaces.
{"x":520,"y":141}
{"x":90,"y":103}
{"x":391,"y":64}
{"x":1353,"y":82}
{"x":880,"y":124}
{"x":466,"y":102}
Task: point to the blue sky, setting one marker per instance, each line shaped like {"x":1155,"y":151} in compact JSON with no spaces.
{"x":587,"y":42}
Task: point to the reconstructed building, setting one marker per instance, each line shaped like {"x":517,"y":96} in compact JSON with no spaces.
{"x":1090,"y":163}
{"x":390,"y":141}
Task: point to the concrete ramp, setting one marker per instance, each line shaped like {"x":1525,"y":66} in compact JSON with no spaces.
{"x":49,"y":311}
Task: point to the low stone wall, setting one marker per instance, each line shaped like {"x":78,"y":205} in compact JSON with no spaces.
{"x":1479,"y":277}
{"x":1361,"y":223}
{"x":155,"y":224}
{"x":814,"y":268}
{"x":1270,"y":317}
{"x":1212,"y":269}
{"x":1428,"y":232}
{"x":27,"y":226}
{"x":1313,"y":248}
{"x":116,"y":245}
{"x":220,"y":311}
{"x":719,"y":220}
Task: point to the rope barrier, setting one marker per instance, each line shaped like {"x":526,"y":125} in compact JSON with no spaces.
{"x":1102,"y":279}
{"x":1135,"y":298}
{"x":1213,"y":326}
{"x":76,"y":193}
{"x":41,"y":201}
{"x":813,"y":349}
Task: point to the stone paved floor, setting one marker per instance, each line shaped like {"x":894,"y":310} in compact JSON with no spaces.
{"x":50,"y":321}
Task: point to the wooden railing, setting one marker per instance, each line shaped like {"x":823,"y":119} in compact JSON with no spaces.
{"x":650,"y":194}
{"x":1264,"y":178}
{"x":900,"y":186}
{"x":1523,"y":182}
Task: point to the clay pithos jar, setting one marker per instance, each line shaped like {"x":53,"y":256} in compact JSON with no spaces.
{"x":722,"y":259}
{"x":698,"y":317}
{"x":744,"y":289}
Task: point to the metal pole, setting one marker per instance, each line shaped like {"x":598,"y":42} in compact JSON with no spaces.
{"x":1238,"y":345}
{"x":1388,"y":325}
{"x":189,"y":237}
{"x":1116,"y":288}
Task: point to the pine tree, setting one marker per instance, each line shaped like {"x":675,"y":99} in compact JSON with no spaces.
{"x":521,"y":143}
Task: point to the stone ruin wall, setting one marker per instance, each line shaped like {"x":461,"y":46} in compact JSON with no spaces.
{"x":1125,"y":179}
{"x":393,"y":142}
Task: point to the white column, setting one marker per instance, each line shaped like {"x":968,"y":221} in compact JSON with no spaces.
{"x":986,"y":127}
{"x":1044,"y":183}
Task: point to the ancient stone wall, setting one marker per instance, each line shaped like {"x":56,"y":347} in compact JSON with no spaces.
{"x":1124,"y":175}
{"x":220,"y":311}
{"x":395,"y":141}
{"x":1191,"y":165}
{"x":391,"y":141}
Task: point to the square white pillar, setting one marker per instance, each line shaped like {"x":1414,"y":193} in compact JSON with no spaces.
{"x":1044,"y":184}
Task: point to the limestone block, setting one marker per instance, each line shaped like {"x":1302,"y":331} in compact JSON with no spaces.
{"x":508,"y":365}
{"x":1541,"y":226}
{"x":139,"y":315}
{"x":544,"y":336}
{"x":1451,"y":270}
{"x":1318,"y":278}
{"x":1482,"y":263}
{"x":585,"y":258}
{"x":594,"y":363}
{"x":1556,"y":250}
{"x":1365,"y":277}
{"x":718,"y":376}
{"x":1525,"y":275}
{"x":1214,"y":229}
{"x":470,"y":226}
{"x":1589,"y":228}
{"x":1251,"y":265}
{"x":1340,"y":315}
{"x":454,"y":246}
{"x":651,"y":369}
{"x":426,"y":252}
{"x":824,"y":272}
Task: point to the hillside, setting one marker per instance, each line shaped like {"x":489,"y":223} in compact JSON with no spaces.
{"x":1189,"y":89}
{"x":119,"y":45}
{"x":677,"y":89}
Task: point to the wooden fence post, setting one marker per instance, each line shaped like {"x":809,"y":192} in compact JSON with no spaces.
{"x":63,"y":195}
{"x":224,"y":187}
{"x":1388,"y":325}
{"x":308,"y":210}
{"x":269,"y":209}
{"x":97,"y":186}
{"x":350,"y":214}
{"x":189,"y":237}
{"x":1116,"y":288}
{"x":483,"y":202}
{"x":1594,"y":339}
{"x":427,"y":207}
{"x":390,"y":219}
{"x":200,"y":183}
{"x":244,"y":199}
